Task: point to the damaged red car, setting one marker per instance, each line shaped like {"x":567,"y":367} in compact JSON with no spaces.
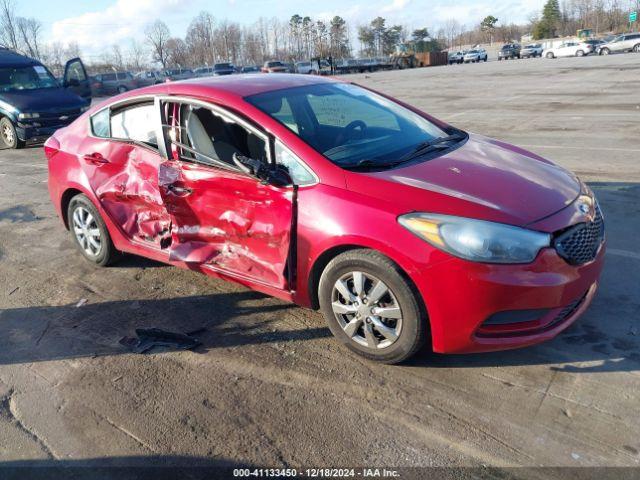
{"x":400,"y":228}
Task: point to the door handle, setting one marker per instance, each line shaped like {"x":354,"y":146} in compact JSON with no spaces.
{"x":95,"y":159}
{"x":179,"y":191}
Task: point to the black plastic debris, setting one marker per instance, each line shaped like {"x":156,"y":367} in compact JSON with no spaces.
{"x":149,"y":338}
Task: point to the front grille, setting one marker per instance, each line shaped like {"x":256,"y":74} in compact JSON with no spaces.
{"x":580,"y":244}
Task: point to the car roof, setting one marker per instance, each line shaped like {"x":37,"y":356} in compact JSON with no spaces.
{"x":9,"y":58}
{"x":246,"y":85}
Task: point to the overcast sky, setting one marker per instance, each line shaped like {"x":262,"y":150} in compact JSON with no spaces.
{"x":98,"y":24}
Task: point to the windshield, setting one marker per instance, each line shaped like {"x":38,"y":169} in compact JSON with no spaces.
{"x":25,"y":78}
{"x":349,"y":125}
{"x":471,"y":52}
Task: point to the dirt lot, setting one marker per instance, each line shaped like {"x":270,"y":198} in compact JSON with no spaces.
{"x":269,"y":386}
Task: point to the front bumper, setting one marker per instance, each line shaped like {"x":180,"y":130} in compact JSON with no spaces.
{"x":28,"y":132}
{"x":466,"y":294}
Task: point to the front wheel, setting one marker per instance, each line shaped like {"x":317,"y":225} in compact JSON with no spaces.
{"x":605,"y":51}
{"x":122,"y":89}
{"x":636,"y":48}
{"x":549,"y":55}
{"x":371,"y":307}
{"x":9,"y":134}
{"x":579,"y":53}
{"x":90,"y":232}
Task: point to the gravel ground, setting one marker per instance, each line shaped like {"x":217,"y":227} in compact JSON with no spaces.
{"x":269,"y":387}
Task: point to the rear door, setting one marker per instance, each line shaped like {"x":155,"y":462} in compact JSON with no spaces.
{"x":121,"y":159}
{"x":76,"y":78}
{"x":222,"y":218}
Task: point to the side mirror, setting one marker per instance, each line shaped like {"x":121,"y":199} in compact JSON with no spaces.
{"x":267,"y":174}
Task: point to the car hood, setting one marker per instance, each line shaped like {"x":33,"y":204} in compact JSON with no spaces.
{"x":484,"y":178}
{"x":43,"y":100}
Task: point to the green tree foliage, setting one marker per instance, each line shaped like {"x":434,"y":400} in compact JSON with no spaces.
{"x":548,"y":24}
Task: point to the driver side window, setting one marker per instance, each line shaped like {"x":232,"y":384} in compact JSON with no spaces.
{"x":203,"y":135}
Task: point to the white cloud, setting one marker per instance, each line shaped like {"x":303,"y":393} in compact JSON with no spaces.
{"x":95,"y":31}
{"x":396,"y":6}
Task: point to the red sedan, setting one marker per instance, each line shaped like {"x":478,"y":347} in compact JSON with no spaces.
{"x":399,"y":227}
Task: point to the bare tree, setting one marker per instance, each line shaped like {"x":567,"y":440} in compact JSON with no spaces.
{"x":137,"y":56}
{"x":158,"y":35}
{"x":29,"y":30}
{"x":8,"y":29}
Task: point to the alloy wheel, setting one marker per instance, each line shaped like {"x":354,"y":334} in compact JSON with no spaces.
{"x":367,"y":310}
{"x":8,"y":134}
{"x":86,"y":231}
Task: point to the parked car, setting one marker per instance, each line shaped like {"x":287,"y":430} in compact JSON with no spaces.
{"x":274,"y":66}
{"x":395,"y":225}
{"x":509,"y":50}
{"x":175,"y":74}
{"x":629,"y":42}
{"x":33,"y":104}
{"x":112,"y":83}
{"x":149,"y":77}
{"x":250,"y":69}
{"x":476,"y":55}
{"x":569,"y":49}
{"x":203,"y":72}
{"x":532,"y":50}
{"x":595,"y":44}
{"x":313,"y":67}
{"x":456,"y":57}
{"x":225,"y":68}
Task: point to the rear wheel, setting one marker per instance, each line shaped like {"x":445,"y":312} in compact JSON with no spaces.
{"x":371,"y":307}
{"x":579,"y":53}
{"x":605,"y":51}
{"x":550,"y":55}
{"x":9,"y":134}
{"x":122,"y":89}
{"x":90,"y":232}
{"x":636,"y":48}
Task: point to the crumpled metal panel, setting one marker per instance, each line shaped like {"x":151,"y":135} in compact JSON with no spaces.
{"x":129,"y":193}
{"x":228,"y":220}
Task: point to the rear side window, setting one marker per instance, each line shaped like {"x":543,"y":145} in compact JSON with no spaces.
{"x":109,"y":76}
{"x":135,"y":123}
{"x":100,"y":124}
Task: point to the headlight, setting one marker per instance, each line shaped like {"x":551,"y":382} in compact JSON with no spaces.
{"x":476,"y":240}
{"x":26,"y":116}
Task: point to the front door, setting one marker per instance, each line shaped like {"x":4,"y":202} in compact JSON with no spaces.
{"x":76,"y":78}
{"x":222,"y":218}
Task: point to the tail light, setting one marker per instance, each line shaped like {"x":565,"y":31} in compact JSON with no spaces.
{"x":51,"y":147}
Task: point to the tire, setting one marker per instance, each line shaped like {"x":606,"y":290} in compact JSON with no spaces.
{"x":636,"y":48}
{"x":9,"y":135}
{"x":122,"y":89}
{"x":605,"y":51}
{"x":579,"y":53}
{"x":550,"y":55}
{"x":402,"y":337}
{"x":106,"y":253}
{"x":486,"y":58}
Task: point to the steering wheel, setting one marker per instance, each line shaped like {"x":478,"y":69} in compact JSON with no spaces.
{"x":349,"y":132}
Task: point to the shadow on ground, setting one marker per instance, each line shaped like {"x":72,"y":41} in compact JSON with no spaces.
{"x":605,"y":339}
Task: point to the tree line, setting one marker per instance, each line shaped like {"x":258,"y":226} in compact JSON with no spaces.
{"x":209,"y":40}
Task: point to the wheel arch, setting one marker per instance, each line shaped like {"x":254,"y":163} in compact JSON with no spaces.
{"x":65,"y":199}
{"x":326,"y":256}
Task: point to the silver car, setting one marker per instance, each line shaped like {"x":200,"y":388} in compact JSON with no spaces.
{"x":629,"y":42}
{"x":533,"y":50}
{"x":476,"y":55}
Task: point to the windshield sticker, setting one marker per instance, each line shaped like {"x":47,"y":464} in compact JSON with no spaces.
{"x":41,"y":71}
